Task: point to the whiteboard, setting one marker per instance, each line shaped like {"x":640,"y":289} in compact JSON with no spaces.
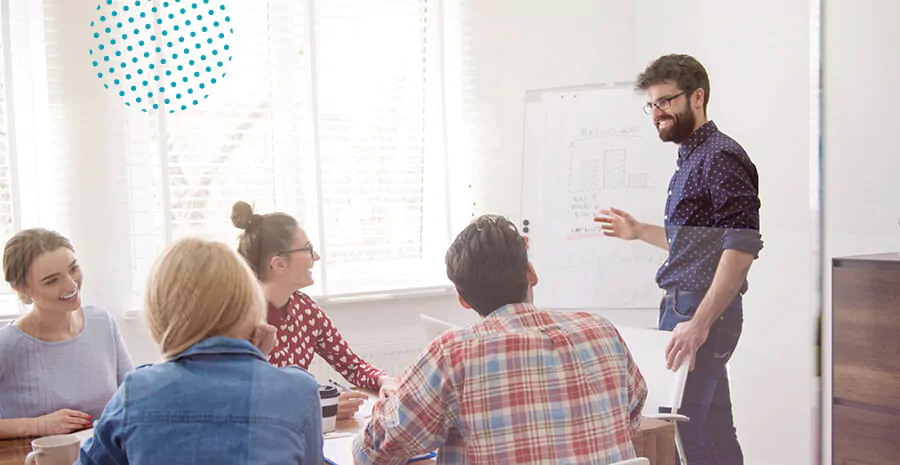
{"x":584,"y":149}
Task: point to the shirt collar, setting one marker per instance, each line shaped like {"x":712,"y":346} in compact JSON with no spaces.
{"x":512,"y":309}
{"x":220,"y":345}
{"x":696,"y":138}
{"x":276,"y":314}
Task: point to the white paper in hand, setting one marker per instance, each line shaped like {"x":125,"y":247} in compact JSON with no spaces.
{"x":365,"y":410}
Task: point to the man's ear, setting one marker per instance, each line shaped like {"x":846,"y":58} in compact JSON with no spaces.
{"x":532,"y":275}
{"x":463,"y":302}
{"x":697,"y":99}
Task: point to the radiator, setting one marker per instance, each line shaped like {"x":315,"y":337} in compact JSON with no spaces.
{"x":392,"y":357}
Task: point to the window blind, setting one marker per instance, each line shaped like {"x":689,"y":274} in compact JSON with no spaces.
{"x":8,"y":301}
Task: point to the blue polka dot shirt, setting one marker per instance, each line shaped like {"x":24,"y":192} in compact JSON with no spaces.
{"x":712,"y":205}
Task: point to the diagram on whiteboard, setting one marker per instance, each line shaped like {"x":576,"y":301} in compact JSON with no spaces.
{"x":595,"y":150}
{"x":589,"y":173}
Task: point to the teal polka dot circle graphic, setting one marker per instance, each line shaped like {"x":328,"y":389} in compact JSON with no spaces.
{"x":161,"y":54}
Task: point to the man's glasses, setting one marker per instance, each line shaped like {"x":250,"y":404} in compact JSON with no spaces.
{"x":662,"y":104}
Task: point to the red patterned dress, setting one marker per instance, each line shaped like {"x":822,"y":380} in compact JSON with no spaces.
{"x":303,"y":330}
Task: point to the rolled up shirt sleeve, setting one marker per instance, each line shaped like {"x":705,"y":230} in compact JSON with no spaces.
{"x":734,"y":190}
{"x":414,"y":421}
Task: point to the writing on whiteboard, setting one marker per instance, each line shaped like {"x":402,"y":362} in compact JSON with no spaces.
{"x":593,"y":132}
{"x":581,"y":155}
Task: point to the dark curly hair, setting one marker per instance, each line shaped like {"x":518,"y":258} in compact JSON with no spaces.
{"x":687,"y":73}
{"x":488,"y":263}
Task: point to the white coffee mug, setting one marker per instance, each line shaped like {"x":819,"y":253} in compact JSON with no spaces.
{"x":328,"y":396}
{"x":54,"y":450}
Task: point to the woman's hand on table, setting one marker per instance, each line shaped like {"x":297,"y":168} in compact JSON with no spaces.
{"x":349,"y":403}
{"x":63,"y":421}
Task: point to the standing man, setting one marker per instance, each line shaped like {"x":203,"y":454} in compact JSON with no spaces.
{"x":712,"y":235}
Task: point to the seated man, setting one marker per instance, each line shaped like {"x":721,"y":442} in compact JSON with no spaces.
{"x":520,"y":386}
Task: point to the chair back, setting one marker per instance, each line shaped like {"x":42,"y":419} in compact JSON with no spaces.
{"x":679,"y":381}
{"x":433,"y":327}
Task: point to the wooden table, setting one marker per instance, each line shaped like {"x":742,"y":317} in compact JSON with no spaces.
{"x":13,"y":451}
{"x":655,"y":440}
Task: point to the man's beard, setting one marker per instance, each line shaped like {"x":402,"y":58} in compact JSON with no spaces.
{"x":682,"y":127}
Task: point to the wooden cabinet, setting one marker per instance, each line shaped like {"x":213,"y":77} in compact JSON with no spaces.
{"x":866,"y":361}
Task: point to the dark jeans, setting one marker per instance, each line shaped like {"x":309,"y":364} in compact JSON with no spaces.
{"x":709,"y":437}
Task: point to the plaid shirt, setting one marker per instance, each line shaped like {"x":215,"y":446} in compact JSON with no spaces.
{"x":522,"y":386}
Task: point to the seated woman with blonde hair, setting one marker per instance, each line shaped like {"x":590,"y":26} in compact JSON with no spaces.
{"x":215,"y":399}
{"x":61,"y":362}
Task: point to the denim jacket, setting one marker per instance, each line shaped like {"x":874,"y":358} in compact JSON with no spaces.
{"x":218,"y":402}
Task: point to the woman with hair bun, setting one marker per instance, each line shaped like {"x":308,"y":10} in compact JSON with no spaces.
{"x":281,"y":255}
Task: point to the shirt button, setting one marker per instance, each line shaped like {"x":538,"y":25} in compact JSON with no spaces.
{"x":670,"y":192}
{"x":677,"y":168}
{"x":667,"y":264}
{"x":666,"y":217}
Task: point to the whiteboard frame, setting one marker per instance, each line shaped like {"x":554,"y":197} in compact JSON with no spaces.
{"x":537,"y":95}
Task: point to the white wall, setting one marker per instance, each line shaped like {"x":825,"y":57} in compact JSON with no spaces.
{"x":862,"y":166}
{"x":862,"y":195}
{"x":519,"y":45}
